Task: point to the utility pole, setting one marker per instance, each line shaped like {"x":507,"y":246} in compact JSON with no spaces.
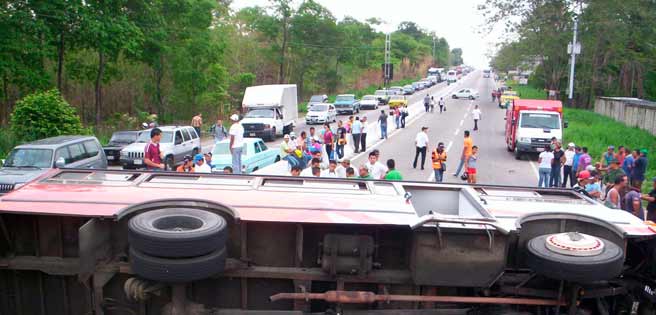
{"x":388,"y":66}
{"x":434,"y":57}
{"x":574,"y":48}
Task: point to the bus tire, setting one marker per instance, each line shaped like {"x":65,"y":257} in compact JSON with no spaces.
{"x":177,"y":270}
{"x":177,"y":232}
{"x":582,"y":269}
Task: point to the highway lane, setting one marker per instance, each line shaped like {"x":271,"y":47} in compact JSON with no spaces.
{"x":496,"y":165}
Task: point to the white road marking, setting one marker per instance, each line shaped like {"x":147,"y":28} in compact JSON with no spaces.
{"x":457,"y":131}
{"x":462,"y":121}
{"x":535,"y":169}
{"x":465,"y":116}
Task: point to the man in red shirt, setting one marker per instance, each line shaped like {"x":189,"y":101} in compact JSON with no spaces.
{"x":328,"y":140}
{"x":152,"y":154}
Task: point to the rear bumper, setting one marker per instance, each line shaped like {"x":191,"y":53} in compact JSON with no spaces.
{"x":344,"y":110}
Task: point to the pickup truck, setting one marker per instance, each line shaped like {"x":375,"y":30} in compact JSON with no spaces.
{"x":347,"y":104}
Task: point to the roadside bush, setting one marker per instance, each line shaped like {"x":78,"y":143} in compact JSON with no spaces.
{"x":44,"y":114}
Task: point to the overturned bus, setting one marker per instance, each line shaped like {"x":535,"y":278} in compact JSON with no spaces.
{"x":130,"y":242}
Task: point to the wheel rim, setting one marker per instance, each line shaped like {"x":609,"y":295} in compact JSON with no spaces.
{"x":574,"y":244}
{"x":177,"y":223}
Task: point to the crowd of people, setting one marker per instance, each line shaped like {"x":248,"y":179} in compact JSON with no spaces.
{"x":615,"y":179}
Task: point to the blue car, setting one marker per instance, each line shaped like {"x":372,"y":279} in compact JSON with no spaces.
{"x":254,"y":156}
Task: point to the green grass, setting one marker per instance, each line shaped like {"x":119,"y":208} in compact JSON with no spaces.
{"x":597,"y":132}
{"x":527,"y":91}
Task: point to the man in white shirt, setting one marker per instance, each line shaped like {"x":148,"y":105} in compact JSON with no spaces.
{"x":421,"y":143}
{"x":331,"y":172}
{"x":341,"y":169}
{"x":236,"y":143}
{"x":476,"y":114}
{"x":568,"y":173}
{"x":376,"y":169}
{"x":200,"y":166}
{"x":307,"y":172}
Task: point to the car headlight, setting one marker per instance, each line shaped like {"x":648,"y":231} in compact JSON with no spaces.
{"x":19,"y":185}
{"x":524,"y":140}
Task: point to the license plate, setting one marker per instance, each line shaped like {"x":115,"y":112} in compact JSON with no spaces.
{"x":110,"y":157}
{"x":540,"y":149}
{"x":138,"y":162}
{"x":252,"y":134}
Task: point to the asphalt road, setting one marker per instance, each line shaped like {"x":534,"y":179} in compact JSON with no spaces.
{"x":495,"y":164}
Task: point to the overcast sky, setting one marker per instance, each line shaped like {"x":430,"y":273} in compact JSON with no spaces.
{"x":456,"y":20}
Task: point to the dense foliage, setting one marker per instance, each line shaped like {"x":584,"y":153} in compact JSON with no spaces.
{"x":179,"y":57}
{"x":42,"y":115}
{"x":618,"y":40}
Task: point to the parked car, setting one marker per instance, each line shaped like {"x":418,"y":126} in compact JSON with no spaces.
{"x":465,"y":93}
{"x":347,"y":104}
{"x":254,"y":156}
{"x":398,"y":100}
{"x":417,"y":86}
{"x":369,"y":102}
{"x":383,"y":96}
{"x":321,"y":113}
{"x":176,"y":142}
{"x":118,"y":141}
{"x":408,"y":90}
{"x":29,"y":161}
{"x":317,"y":99}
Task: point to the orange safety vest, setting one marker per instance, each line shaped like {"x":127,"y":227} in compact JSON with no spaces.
{"x":438,"y":159}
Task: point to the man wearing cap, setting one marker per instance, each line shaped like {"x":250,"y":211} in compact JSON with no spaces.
{"x":341,"y":168}
{"x":439,"y":162}
{"x":613,"y":172}
{"x":582,"y":181}
{"x":236,"y":142}
{"x":187,"y":165}
{"x":421,"y":143}
{"x":592,"y":185}
{"x":200,"y":166}
{"x":639,"y":169}
{"x":567,"y":167}
{"x":286,"y":150}
{"x":651,"y":199}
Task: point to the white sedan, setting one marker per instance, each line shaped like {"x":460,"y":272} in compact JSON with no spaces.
{"x":321,"y":113}
{"x":466,"y":93}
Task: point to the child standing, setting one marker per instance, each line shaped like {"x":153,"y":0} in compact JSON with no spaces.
{"x":470,"y":165}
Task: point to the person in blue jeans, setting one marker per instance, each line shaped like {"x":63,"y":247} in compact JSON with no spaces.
{"x":544,"y":166}
{"x":382,"y":119}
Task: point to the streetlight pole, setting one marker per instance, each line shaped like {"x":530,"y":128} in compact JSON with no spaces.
{"x":574,"y":48}
{"x":388,"y":57}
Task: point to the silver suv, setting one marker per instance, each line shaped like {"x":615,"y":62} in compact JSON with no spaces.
{"x":176,"y":142}
{"x":28,"y":161}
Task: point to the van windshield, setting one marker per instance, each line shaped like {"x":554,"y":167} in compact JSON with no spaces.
{"x":542,"y":121}
{"x":167,"y":137}
{"x":260,"y":113}
{"x":41,"y":158}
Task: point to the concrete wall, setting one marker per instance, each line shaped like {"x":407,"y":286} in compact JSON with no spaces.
{"x":631,"y":111}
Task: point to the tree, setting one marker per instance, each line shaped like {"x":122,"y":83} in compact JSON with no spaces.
{"x":110,"y":32}
{"x":43,"y":115}
{"x":456,"y":57}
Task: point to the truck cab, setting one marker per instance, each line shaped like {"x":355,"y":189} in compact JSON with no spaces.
{"x":530,"y":125}
{"x":270,"y":110}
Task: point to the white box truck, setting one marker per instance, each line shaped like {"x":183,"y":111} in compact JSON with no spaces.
{"x":270,"y":110}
